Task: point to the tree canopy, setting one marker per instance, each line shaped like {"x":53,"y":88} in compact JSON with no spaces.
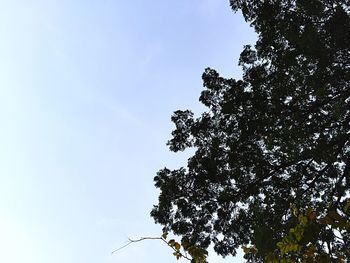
{"x":273,"y":142}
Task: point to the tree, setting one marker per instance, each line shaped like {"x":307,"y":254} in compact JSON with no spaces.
{"x":274,"y":141}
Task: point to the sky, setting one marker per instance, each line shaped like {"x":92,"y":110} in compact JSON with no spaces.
{"x":87,"y":89}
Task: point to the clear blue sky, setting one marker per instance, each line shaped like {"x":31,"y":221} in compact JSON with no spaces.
{"x":87,"y":91}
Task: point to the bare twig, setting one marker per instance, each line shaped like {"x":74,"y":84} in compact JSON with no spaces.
{"x":137,"y":240}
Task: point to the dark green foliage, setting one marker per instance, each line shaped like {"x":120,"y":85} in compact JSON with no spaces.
{"x":279,"y":136}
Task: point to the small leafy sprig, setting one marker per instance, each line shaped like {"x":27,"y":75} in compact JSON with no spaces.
{"x":183,"y":249}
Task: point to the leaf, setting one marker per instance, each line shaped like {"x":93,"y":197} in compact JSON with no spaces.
{"x":334,"y":215}
{"x":303,"y":219}
{"x":171,"y":242}
{"x":347,"y":206}
{"x":312,"y":215}
{"x":177,"y":246}
{"x":177,"y":255}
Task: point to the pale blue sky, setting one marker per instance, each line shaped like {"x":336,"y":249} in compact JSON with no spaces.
{"x":87,"y":91}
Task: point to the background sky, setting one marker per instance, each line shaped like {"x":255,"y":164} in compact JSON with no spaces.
{"x":87,"y":91}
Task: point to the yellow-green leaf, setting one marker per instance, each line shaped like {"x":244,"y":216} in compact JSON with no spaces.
{"x":171,"y":242}
{"x":177,"y":246}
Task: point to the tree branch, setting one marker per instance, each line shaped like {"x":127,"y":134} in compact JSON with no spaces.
{"x":131,"y":241}
{"x":135,"y":241}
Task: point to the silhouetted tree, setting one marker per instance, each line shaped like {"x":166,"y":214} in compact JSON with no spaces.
{"x":277,"y":139}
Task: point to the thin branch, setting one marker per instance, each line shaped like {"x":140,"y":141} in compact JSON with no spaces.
{"x":312,"y":183}
{"x":131,"y":241}
{"x":135,"y":241}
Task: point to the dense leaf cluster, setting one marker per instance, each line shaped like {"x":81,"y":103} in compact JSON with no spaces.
{"x":279,"y":136}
